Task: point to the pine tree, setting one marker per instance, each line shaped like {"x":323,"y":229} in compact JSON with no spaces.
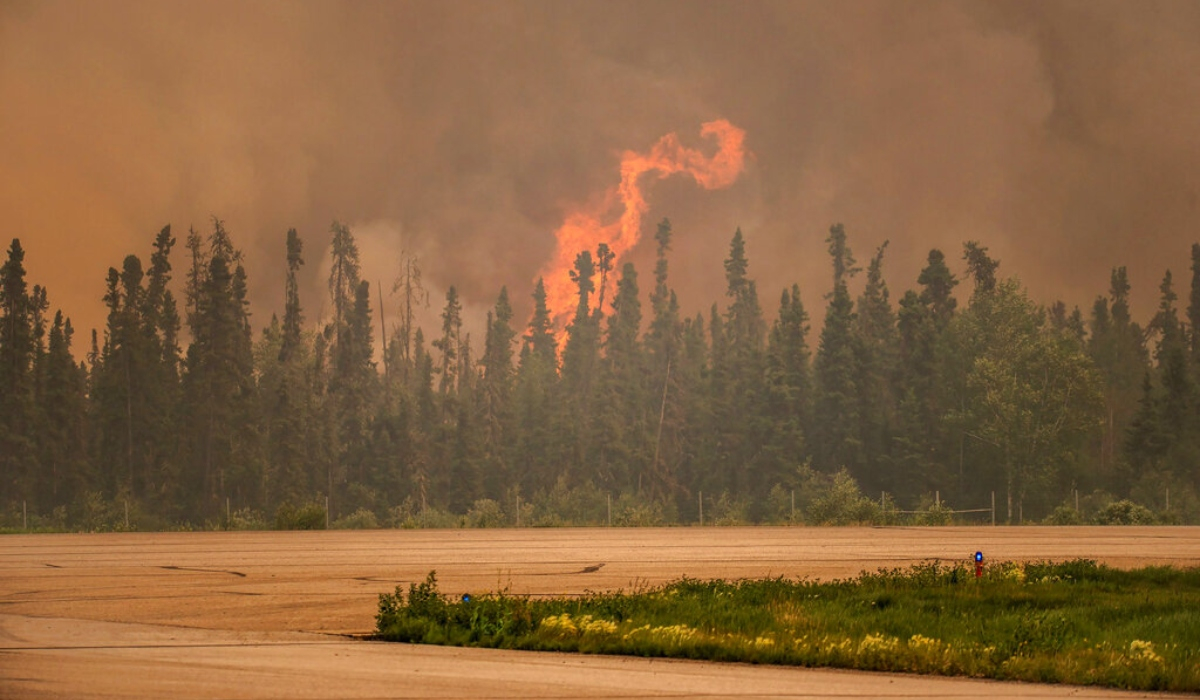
{"x":226,"y":464}
{"x":495,"y":396}
{"x":580,"y":356}
{"x":18,"y":469}
{"x":876,"y":341}
{"x":937,"y":292}
{"x":535,"y":453}
{"x":1116,"y":345}
{"x":293,"y":317}
{"x":739,"y":412}
{"x":286,"y":387}
{"x":622,"y":417}
{"x":64,"y":450}
{"x":789,"y":385}
{"x":837,"y":419}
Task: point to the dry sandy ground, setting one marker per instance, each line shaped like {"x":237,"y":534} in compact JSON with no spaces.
{"x":256,"y":615}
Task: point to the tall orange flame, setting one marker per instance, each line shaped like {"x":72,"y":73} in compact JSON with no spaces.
{"x":587,"y":228}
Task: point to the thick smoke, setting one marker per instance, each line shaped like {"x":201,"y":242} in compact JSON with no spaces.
{"x":1060,"y":134}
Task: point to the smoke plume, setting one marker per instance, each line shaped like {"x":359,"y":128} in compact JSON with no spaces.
{"x":1060,"y":133}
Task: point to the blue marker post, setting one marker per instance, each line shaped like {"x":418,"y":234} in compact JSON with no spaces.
{"x":978,"y":564}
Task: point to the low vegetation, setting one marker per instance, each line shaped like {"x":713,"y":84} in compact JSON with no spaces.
{"x":1075,"y":622}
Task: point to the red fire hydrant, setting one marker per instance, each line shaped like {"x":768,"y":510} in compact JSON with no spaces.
{"x":978,"y":564}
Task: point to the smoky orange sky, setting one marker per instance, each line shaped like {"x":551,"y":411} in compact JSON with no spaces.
{"x":1063,"y":135}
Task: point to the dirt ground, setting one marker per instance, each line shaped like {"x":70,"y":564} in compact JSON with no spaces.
{"x":256,"y":614}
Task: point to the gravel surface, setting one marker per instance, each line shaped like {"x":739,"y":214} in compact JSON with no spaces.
{"x":257,"y":615}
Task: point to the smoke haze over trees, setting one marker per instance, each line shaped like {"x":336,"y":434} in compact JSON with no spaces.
{"x":996,"y":394}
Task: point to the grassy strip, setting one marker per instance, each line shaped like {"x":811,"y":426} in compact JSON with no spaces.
{"x":1073,"y":622}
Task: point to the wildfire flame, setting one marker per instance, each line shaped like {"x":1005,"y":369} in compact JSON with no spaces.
{"x":586,"y":228}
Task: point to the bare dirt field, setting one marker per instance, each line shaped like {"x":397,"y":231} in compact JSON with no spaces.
{"x":217,"y":615}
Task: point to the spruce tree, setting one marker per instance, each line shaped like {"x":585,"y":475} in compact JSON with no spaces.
{"x":837,"y":419}
{"x":18,"y":467}
{"x":876,"y":341}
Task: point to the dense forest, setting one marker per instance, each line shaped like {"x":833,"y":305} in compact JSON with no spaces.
{"x":963,"y":391}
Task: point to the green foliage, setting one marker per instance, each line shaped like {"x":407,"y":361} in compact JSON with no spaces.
{"x":838,"y":501}
{"x":361,"y":519}
{"x":727,"y":509}
{"x":1124,"y":512}
{"x":633,"y":511}
{"x":307,"y":516}
{"x":1072,"y":622}
{"x":486,"y":513}
{"x":1065,"y":515}
{"x":248,"y":519}
{"x":409,"y":515}
{"x":564,"y":505}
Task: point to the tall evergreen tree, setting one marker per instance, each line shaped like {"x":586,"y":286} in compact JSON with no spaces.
{"x":535,"y":453}
{"x":580,"y":356}
{"x":789,"y":386}
{"x":622,"y":417}
{"x":495,"y":396}
{"x":876,"y":342}
{"x":1117,"y":346}
{"x":738,"y":412}
{"x":838,"y":442}
{"x":219,"y":388}
{"x":18,"y":468}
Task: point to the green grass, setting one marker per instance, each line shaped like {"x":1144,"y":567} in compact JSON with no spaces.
{"x":1073,"y":622}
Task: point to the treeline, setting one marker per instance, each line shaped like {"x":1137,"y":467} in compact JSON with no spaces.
{"x":641,"y":409}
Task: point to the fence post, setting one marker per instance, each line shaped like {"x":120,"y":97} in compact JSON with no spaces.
{"x":1076,"y":500}
{"x":518,"y":510}
{"x":326,"y":510}
{"x":701,"y":509}
{"x":993,"y":509}
{"x":937,"y":496}
{"x":127,"y":514}
{"x":793,"y":506}
{"x":610,"y":510}
{"x":1168,"y":498}
{"x":24,"y":515}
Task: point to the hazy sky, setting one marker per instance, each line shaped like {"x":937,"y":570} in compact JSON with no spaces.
{"x":1063,"y":135}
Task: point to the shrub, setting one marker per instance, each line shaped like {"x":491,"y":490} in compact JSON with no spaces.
{"x":485,"y":513}
{"x":246,"y":519}
{"x":779,"y":506}
{"x":410,"y":515}
{"x":1124,"y":512}
{"x":1064,"y":515}
{"x":633,"y":511}
{"x":842,"y":503}
{"x":309,"y":516}
{"x":933,"y":512}
{"x":563,"y":505}
{"x":361,"y":519}
{"x":728,"y":510}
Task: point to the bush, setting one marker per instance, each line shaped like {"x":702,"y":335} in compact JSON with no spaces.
{"x":933,"y":512}
{"x":1124,"y":512}
{"x":361,"y":519}
{"x":779,"y":507}
{"x":842,"y":503}
{"x":246,"y":519}
{"x":633,"y":511}
{"x":310,"y":516}
{"x":562,"y":505}
{"x":728,"y":510}
{"x":1064,"y":515}
{"x":485,"y":513}
{"x":411,"y":516}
